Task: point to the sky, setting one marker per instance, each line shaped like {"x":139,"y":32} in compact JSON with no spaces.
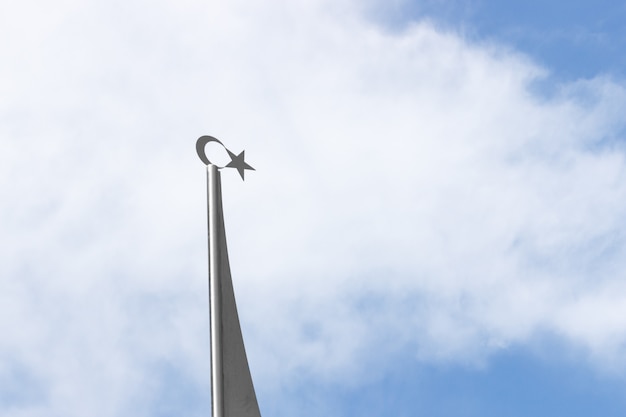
{"x":436,"y":224}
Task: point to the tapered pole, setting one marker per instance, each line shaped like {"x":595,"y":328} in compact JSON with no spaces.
{"x":232,"y":390}
{"x":214,"y":204}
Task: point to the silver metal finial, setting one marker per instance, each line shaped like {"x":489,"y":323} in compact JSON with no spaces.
{"x":236,"y":161}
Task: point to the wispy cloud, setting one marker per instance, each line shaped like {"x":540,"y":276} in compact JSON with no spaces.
{"x":412,"y":194}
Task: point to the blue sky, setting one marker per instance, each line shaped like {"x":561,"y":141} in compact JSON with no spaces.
{"x":436,"y":225}
{"x":515,"y":384}
{"x":573,"y":39}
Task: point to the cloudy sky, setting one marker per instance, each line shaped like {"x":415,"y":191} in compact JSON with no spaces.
{"x":436,"y":226}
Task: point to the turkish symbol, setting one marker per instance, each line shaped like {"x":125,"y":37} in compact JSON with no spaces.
{"x":236,"y":161}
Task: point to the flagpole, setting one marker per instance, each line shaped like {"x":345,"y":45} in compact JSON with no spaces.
{"x":232,"y":390}
{"x":215,"y":294}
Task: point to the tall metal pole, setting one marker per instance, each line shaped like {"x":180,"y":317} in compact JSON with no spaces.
{"x":232,"y":390}
{"x":215,"y":292}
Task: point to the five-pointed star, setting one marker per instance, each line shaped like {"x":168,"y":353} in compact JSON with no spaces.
{"x":238,"y":162}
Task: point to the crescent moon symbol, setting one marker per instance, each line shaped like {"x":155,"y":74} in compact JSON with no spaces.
{"x":201,"y":143}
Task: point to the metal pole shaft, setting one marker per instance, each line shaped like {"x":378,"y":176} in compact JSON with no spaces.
{"x":215,"y":293}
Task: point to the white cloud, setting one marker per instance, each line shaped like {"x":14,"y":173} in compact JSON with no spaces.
{"x":411,"y":193}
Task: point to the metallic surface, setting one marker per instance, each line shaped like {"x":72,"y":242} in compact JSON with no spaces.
{"x":236,"y":161}
{"x":201,"y":143}
{"x":232,"y":390}
{"x":215,"y":299}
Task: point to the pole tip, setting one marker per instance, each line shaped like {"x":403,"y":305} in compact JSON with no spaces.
{"x":236,"y":161}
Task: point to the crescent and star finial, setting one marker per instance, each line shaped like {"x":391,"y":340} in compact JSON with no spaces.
{"x":236,"y":161}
